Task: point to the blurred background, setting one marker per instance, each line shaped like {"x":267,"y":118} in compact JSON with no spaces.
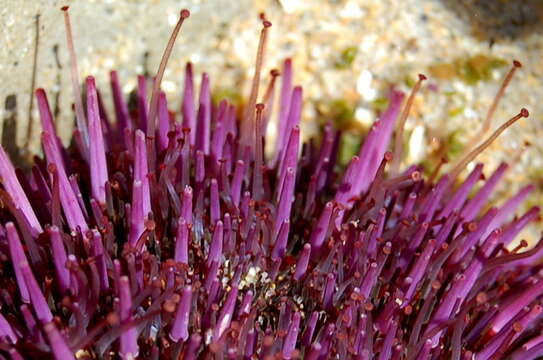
{"x":347,"y":54}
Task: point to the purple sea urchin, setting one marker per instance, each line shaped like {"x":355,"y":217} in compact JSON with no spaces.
{"x":181,"y":240}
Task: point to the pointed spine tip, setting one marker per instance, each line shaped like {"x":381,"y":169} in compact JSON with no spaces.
{"x":65,"y":8}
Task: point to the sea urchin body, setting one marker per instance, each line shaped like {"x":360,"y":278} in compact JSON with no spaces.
{"x":154,"y":238}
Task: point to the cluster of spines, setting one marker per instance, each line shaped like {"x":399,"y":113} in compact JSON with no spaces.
{"x":155,"y":238}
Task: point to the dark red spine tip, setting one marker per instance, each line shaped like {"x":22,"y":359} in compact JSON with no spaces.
{"x":112,"y":319}
{"x":422,"y":77}
{"x":388,"y":156}
{"x":185,"y":13}
{"x":65,"y":8}
{"x":524,"y":112}
{"x":260,"y":106}
{"x":274,"y":72}
{"x":517,"y":63}
{"x":267,"y":23}
{"x":51,"y":168}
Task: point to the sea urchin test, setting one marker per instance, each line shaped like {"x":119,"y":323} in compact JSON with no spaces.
{"x":171,"y":235}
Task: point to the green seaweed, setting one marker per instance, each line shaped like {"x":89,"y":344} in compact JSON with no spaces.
{"x":380,"y":103}
{"x":409,"y":81}
{"x":346,"y":57}
{"x":341,"y":113}
{"x":454,"y":144}
{"x":470,"y":70}
{"x":349,"y":146}
{"x":231,"y":95}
